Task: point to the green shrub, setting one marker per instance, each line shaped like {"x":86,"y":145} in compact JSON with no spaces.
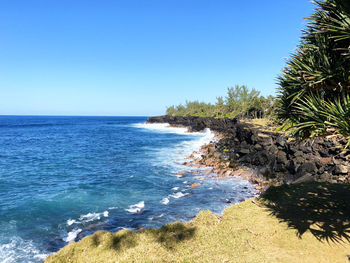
{"x":238,"y":101}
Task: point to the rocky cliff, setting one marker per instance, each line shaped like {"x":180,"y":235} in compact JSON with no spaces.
{"x":276,"y":157}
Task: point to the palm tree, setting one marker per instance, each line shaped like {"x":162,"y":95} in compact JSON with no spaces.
{"x":318,"y":73}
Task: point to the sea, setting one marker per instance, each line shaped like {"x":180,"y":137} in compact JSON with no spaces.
{"x":62,"y":178}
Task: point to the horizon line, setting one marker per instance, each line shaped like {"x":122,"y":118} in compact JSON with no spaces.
{"x":48,"y":115}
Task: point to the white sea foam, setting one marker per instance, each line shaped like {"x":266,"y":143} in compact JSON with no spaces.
{"x":136,"y":208}
{"x":165,"y":201}
{"x":72,"y":235}
{"x":175,"y":188}
{"x":71,"y":222}
{"x":19,"y":250}
{"x":162,"y":127}
{"x":178,"y":195}
{"x":176,"y":155}
{"x":90,"y":217}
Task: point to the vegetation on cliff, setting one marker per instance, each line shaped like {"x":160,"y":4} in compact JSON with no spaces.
{"x":314,"y":95}
{"x":314,"y":87}
{"x":238,"y":101}
{"x":298,"y":223}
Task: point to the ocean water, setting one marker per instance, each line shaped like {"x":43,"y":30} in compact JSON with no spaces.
{"x":62,"y":178}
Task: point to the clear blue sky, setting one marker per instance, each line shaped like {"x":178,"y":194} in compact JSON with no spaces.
{"x":65,"y":57}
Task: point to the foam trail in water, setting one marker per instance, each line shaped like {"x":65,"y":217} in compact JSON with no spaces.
{"x":72,"y":235}
{"x":162,"y":127}
{"x":136,"y":208}
{"x":19,"y":250}
{"x":89,"y":217}
{"x":178,"y":195}
{"x":71,"y":222}
{"x":165,"y":201}
{"x":177,"y":154}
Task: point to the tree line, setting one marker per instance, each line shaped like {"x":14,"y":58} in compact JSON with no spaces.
{"x":239,"y":101}
{"x":314,"y":87}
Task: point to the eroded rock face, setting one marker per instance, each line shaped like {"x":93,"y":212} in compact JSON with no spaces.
{"x":285,"y":160}
{"x":278,"y":158}
{"x":222,"y":125}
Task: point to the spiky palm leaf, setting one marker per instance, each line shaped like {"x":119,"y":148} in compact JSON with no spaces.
{"x":322,"y":117}
{"x":318,"y":74}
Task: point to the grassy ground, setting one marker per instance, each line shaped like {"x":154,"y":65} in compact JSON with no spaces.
{"x":264,"y":126}
{"x":299,"y":223}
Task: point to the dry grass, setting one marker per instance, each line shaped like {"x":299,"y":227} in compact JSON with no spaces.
{"x":263,"y":125}
{"x":251,"y":231}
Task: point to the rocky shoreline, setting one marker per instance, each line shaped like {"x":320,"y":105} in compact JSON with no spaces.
{"x":211,"y":163}
{"x":264,"y":157}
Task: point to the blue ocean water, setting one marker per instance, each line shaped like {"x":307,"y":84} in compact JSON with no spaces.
{"x":62,"y":178}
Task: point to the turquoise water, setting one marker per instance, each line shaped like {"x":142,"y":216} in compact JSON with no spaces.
{"x":62,"y":178}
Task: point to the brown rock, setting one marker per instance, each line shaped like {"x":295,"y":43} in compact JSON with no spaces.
{"x":194,"y":185}
{"x":217,"y":156}
{"x":226,"y":164}
{"x":244,"y":150}
{"x":341,"y":169}
{"x":211,"y":149}
{"x":325,"y":177}
{"x":180,"y":173}
{"x":342,"y":179}
{"x":326,"y":160}
{"x":228,"y":173}
{"x":305,"y":178}
{"x":209,"y":162}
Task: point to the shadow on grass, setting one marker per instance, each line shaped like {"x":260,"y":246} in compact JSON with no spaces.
{"x":172,"y":234}
{"x":321,"y":208}
{"x":169,"y":236}
{"x":121,"y":240}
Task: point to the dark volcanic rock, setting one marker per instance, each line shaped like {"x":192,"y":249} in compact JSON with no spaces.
{"x":341,"y":169}
{"x":282,"y":158}
{"x":305,"y":178}
{"x":279,"y":159}
{"x":307,"y":168}
{"x":222,"y":125}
